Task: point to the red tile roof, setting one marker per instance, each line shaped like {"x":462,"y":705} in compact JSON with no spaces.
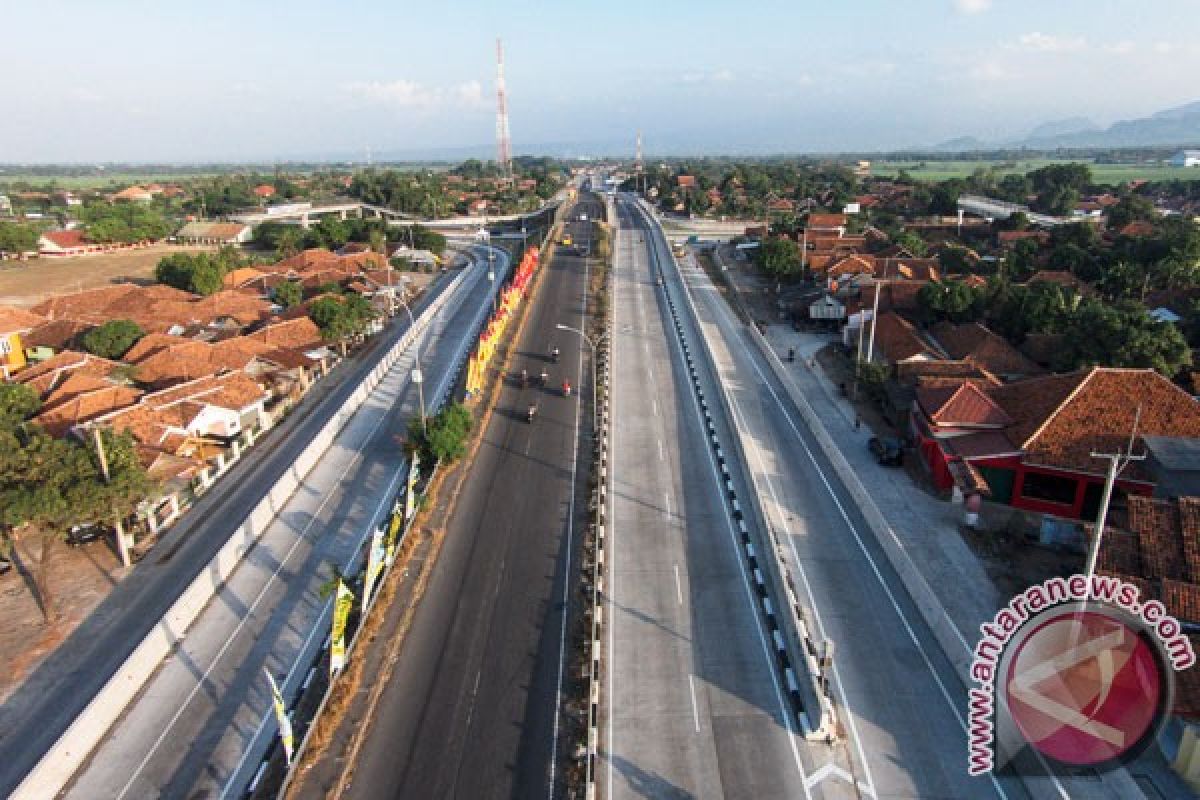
{"x":988,"y":349}
{"x":965,"y":405}
{"x":1059,"y":420}
{"x":897,"y":339}
{"x":825,"y":221}
{"x":18,"y":320}
{"x":85,"y":407}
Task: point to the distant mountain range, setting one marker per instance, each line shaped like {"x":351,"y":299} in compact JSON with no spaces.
{"x":1175,"y":126}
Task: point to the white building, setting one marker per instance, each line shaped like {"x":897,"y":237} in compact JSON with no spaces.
{"x":1185,"y":158}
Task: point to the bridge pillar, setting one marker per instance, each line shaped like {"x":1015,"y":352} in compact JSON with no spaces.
{"x":304,"y":222}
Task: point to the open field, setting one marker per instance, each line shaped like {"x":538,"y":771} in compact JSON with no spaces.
{"x":26,"y":283}
{"x":1101,"y":173}
{"x":114,"y":180}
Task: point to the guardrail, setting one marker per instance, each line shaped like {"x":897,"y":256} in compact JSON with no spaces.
{"x":60,"y":762}
{"x":796,"y":648}
{"x":601,"y":415}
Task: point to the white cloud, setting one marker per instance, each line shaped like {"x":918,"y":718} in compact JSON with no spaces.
{"x":989,"y":71}
{"x":1045,"y":43}
{"x":972,"y":6}
{"x":716,"y":76}
{"x":1122,"y":48}
{"x":1163,"y":47}
{"x":415,"y":96}
{"x":83,"y":94}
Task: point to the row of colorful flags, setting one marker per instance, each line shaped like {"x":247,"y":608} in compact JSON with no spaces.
{"x":506,"y":309}
{"x":382,"y":554}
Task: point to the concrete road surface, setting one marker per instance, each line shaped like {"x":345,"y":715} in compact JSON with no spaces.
{"x":472,"y":709}
{"x":695,"y":707}
{"x":899,"y":700}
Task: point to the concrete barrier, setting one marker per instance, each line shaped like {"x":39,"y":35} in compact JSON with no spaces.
{"x":816,"y":709}
{"x":66,"y":755}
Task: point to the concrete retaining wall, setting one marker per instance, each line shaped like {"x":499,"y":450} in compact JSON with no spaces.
{"x":65,"y":757}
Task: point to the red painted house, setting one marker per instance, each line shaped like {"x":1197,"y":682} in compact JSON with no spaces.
{"x":1031,"y":441}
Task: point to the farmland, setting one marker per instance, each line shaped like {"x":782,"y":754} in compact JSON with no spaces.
{"x":25,"y":283}
{"x":1101,"y":173}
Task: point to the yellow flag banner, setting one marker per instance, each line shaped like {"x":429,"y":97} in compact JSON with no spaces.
{"x":281,"y":717}
{"x":410,"y":499}
{"x":341,"y":614}
{"x":375,"y":561}
{"x":393,"y":534}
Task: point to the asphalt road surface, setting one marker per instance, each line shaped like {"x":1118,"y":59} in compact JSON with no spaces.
{"x":472,"y":708}
{"x":36,"y":714}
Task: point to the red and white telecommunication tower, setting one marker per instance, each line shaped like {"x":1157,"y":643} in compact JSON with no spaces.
{"x":503,"y":142}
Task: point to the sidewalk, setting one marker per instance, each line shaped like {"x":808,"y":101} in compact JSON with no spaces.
{"x":928,"y":527}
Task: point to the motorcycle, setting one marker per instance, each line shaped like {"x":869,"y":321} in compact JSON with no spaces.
{"x":524,"y":379}
{"x":530,"y":414}
{"x":566,"y":389}
{"x":545,"y":379}
{"x":554,"y":355}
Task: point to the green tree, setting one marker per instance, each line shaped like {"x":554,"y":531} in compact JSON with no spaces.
{"x":288,"y":294}
{"x":18,"y":403}
{"x":443,"y":438}
{"x":49,"y":484}
{"x":1124,"y":335}
{"x":912,"y":243}
{"x":779,"y":257}
{"x":952,"y":300}
{"x":17,"y":238}
{"x":1130,"y":208}
{"x":112,"y":339}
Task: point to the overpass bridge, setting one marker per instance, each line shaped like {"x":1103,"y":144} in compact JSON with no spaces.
{"x":992,"y":209}
{"x":304,"y":214}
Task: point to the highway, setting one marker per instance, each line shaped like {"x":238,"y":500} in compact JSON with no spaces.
{"x":41,"y":709}
{"x":695,"y":707}
{"x":472,"y":709}
{"x":187,"y":729}
{"x":899,"y":701}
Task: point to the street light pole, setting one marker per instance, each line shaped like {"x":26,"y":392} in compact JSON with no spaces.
{"x":492,"y":275}
{"x":417,"y":377}
{"x":592,"y":348}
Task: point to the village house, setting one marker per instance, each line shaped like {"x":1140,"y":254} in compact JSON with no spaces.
{"x":1031,"y":442}
{"x":214,"y":233}
{"x":15,"y":323}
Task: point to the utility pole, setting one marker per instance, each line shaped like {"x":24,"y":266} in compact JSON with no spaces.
{"x":503,"y":139}
{"x":122,"y":545}
{"x":1116,"y":463}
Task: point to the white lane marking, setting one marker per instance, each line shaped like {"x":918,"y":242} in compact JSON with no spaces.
{"x":767,"y":653}
{"x":678,"y":586}
{"x":562,"y":630}
{"x":661,"y":453}
{"x":654,"y":407}
{"x":666,"y":505}
{"x":878,"y":576}
{"x":249,"y":613}
{"x":832,"y":770}
{"x":695,"y":708}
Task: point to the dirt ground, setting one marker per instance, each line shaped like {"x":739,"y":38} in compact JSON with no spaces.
{"x":27,"y":283}
{"x":83,"y":577}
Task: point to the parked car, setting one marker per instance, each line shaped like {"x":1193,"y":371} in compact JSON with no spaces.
{"x":888,"y":450}
{"x":79,"y":535}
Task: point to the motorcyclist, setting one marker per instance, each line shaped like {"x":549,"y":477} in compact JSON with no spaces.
{"x":524,"y":378}
{"x":554,"y":355}
{"x":566,"y":388}
{"x":529,"y":415}
{"x":545,"y":378}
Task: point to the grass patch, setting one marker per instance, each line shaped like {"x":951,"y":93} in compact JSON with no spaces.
{"x":1101,"y":173}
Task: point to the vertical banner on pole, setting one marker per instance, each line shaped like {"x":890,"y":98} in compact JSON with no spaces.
{"x":393,"y":534}
{"x":341,"y":613}
{"x":281,"y":717}
{"x":375,"y":561}
{"x":410,"y":495}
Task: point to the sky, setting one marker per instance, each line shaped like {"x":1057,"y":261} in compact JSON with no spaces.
{"x":265,"y":80}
